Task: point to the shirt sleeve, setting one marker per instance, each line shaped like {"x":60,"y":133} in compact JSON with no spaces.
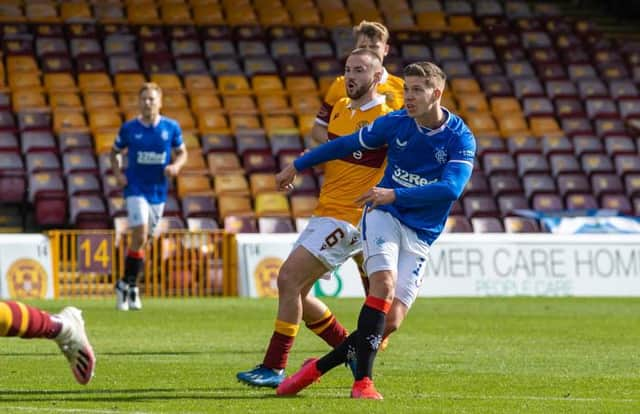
{"x":177,"y":140}
{"x":122,"y":139}
{"x":454,"y":178}
{"x":335,"y":92}
{"x":369,"y":137}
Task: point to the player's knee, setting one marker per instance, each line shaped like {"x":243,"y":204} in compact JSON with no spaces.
{"x":288,"y":281}
{"x":382,"y":285}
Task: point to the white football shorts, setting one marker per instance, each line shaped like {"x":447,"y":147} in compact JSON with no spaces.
{"x":330,"y":240}
{"x":390,"y":245}
{"x":140,"y":212}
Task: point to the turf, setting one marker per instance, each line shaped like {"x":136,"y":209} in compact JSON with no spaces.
{"x":492,"y":355}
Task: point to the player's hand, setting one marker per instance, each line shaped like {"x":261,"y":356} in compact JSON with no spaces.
{"x":377,"y":196}
{"x":171,"y":170}
{"x":121,"y":180}
{"x":285,"y":178}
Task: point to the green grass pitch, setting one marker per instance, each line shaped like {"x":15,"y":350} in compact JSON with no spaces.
{"x":490,"y":355}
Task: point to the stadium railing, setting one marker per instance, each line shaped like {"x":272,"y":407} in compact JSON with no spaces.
{"x":178,"y":263}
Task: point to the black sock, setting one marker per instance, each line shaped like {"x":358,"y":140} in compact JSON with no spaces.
{"x":370,"y":327}
{"x":132,"y":267}
{"x":339,"y":354}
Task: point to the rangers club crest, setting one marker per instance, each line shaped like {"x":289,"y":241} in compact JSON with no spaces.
{"x":440,"y":155}
{"x":164,"y":134}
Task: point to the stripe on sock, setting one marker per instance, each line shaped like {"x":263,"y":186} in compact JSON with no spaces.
{"x":322,"y":323}
{"x":378,"y":304}
{"x":5,"y":318}
{"x":137,"y":254}
{"x":286,"y":328}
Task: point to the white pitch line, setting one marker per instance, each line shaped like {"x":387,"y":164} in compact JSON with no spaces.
{"x":69,"y":410}
{"x":499,"y":397}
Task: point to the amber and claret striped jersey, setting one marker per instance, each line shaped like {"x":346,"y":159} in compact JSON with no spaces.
{"x":392,"y":87}
{"x":348,"y":178}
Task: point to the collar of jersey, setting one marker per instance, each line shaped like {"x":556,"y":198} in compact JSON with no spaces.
{"x":148,"y":126}
{"x":378,"y":100}
{"x":431,"y":132}
{"x":385,"y":75}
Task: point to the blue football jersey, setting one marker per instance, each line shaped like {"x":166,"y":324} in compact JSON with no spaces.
{"x":149,"y":152}
{"x":428,"y":169}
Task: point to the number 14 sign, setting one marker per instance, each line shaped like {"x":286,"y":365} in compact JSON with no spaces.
{"x":94,"y":253}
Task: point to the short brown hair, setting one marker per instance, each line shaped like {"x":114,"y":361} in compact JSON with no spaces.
{"x":434,"y":76}
{"x":150,"y":86}
{"x":372,"y":30}
{"x":363,"y":51}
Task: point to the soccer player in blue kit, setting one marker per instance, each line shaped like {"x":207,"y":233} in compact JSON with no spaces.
{"x":149,"y":140}
{"x":430,"y":155}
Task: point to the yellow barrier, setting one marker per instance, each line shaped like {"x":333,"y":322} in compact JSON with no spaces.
{"x":178,"y":263}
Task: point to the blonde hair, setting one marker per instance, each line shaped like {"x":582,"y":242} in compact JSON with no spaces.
{"x":434,"y":76}
{"x":373,"y":30}
{"x":150,"y":86}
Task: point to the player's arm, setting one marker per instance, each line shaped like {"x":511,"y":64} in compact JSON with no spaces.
{"x":180,"y":155}
{"x":448,"y":188}
{"x":370,"y":137}
{"x":454,"y":178}
{"x":319,"y":131}
{"x":115,"y":157}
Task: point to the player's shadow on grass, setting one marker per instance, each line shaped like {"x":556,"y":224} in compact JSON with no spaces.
{"x":130,"y":395}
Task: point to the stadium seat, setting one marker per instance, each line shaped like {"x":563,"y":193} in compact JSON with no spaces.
{"x":88,"y":212}
{"x":79,"y":161}
{"x":477,"y":184}
{"x":258,"y":161}
{"x":42,"y":161}
{"x":547,"y":202}
{"x":619,"y":145}
{"x":505,"y":184}
{"x":198,"y":206}
{"x":596,"y":163}
{"x":479,"y":206}
{"x":587,"y":144}
{"x":262,"y":182}
{"x":193,"y":185}
{"x":487,"y":225}
{"x":457,"y":224}
{"x":270,"y":204}
{"x":82,"y":184}
{"x":531,"y":164}
{"x":514,"y":224}
{"x":275,"y":225}
{"x":45,"y":182}
{"x":240,"y":224}
{"x":617,"y":202}
{"x":523,"y":144}
{"x":229,"y":205}
{"x":37,"y":141}
{"x":498,"y":163}
{"x":224,"y":163}
{"x":604,"y":183}
{"x":580,"y":201}
{"x":231,"y":184}
{"x":632,"y":184}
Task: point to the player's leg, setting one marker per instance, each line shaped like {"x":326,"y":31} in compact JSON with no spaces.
{"x":321,"y":321}
{"x":297,"y":273}
{"x":138,"y":217}
{"x":411,"y":268}
{"x":66,"y":328}
{"x":338,"y":241}
{"x":382,"y":241}
{"x":154,"y":216}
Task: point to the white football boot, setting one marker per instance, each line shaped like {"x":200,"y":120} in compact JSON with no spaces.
{"x":133,"y":298}
{"x":74,"y":344}
{"x":122,"y":294}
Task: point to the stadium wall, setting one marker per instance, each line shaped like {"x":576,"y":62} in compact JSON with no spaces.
{"x":475,"y":265}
